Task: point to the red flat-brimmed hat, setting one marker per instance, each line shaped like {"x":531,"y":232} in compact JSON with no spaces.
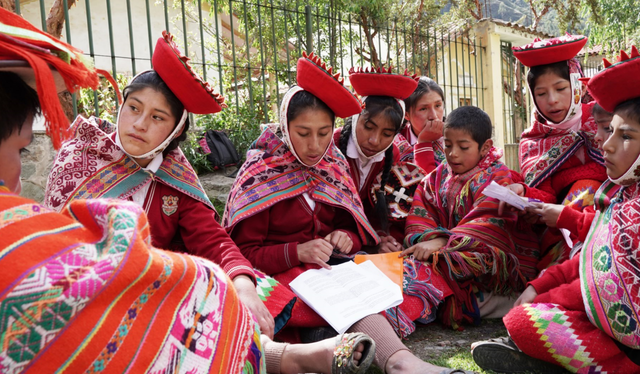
{"x":382,"y":82}
{"x":195,"y":94}
{"x":548,"y":51}
{"x":46,"y":64}
{"x":618,"y":82}
{"x":314,"y":76}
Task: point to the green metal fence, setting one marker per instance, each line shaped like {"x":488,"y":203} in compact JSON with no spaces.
{"x":248,"y":49}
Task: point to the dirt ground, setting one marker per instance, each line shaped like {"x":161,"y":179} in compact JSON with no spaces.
{"x":430,"y":341}
{"x":433,"y":341}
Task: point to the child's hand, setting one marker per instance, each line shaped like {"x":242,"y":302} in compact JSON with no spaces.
{"x":249,"y":296}
{"x":423,"y":250}
{"x":431,"y":131}
{"x":527,"y":296}
{"x":340,"y":241}
{"x":388,"y":244}
{"x":548,"y":213}
{"x":518,"y":189}
{"x":316,"y":251}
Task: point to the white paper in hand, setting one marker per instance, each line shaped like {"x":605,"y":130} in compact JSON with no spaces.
{"x":505,"y":194}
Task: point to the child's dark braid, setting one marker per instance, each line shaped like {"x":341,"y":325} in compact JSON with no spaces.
{"x":382,"y":209}
{"x":344,"y":136}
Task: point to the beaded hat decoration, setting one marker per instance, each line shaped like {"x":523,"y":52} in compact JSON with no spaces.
{"x":548,"y":51}
{"x":314,"y":76}
{"x":618,"y":82}
{"x":382,"y":82}
{"x":194,"y":93}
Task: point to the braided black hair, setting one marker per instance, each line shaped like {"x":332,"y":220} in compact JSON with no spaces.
{"x":375,"y":105}
{"x":344,"y":136}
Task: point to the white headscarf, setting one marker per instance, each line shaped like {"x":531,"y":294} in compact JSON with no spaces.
{"x":162,"y":146}
{"x":573,"y":119}
{"x":284,"y":125}
{"x":631,"y":176}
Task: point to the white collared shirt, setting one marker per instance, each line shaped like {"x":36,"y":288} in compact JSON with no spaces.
{"x":153,"y":167}
{"x":364,"y":164}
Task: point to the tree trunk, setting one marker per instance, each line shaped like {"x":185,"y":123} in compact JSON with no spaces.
{"x":373,"y":53}
{"x":55,"y":19}
{"x":55,"y":22}
{"x":8,"y":5}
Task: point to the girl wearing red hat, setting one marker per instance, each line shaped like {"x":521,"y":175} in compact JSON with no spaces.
{"x":84,"y":287}
{"x":138,"y":160}
{"x":294,"y":206}
{"x":381,"y":165}
{"x":104,"y":299}
{"x":369,"y":142}
{"x":559,"y":158}
{"x":423,"y":124}
{"x":582,"y":315}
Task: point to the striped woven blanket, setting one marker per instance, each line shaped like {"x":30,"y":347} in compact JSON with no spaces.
{"x":83,"y":291}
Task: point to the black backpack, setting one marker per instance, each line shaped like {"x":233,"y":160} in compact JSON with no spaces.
{"x":222,"y":152}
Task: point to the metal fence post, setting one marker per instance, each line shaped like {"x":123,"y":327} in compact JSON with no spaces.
{"x":309,"y":27}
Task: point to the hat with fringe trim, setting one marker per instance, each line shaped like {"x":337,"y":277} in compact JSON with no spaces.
{"x":382,"y":82}
{"x":618,"y":82}
{"x":548,"y":51}
{"x":47,"y":64}
{"x":314,"y":76}
{"x":194,"y":93}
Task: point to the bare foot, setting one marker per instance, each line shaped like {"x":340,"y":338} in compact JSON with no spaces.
{"x":406,"y":363}
{"x":312,"y":357}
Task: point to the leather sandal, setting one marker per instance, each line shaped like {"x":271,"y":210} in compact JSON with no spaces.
{"x":346,"y":344}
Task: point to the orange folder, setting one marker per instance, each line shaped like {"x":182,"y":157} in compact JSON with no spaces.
{"x":389,"y":263}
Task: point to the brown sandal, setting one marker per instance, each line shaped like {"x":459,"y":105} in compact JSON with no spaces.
{"x":343,"y":354}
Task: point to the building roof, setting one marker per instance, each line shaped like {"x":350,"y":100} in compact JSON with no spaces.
{"x":516,"y":26}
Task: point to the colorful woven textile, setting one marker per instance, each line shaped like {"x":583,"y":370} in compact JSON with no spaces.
{"x":555,"y":249}
{"x":544,"y":148}
{"x":609,"y":272}
{"x":91,"y":165}
{"x":272,"y":174}
{"x":83,"y":291}
{"x":278,"y":298}
{"x":423,"y":291}
{"x":566,"y":338}
{"x":404,"y":178}
{"x":481,"y":253}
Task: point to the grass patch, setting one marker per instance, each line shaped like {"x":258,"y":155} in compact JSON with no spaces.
{"x":456,"y":359}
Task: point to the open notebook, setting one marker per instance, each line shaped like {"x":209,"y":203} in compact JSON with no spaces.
{"x":347,"y":293}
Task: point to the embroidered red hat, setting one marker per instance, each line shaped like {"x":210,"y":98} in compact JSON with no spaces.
{"x":47,"y":64}
{"x":382,"y":82}
{"x":314,"y":76}
{"x":196,"y":95}
{"x":618,"y":82}
{"x":548,"y":51}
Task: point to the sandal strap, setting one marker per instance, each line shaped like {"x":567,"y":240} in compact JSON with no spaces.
{"x":343,"y":353}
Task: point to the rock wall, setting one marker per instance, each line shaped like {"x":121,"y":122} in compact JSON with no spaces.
{"x":36,"y":164}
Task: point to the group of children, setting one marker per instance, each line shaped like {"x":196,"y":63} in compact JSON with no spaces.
{"x":398,"y":177}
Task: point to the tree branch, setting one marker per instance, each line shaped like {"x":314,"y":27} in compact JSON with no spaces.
{"x":55,"y":19}
{"x":9,"y":5}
